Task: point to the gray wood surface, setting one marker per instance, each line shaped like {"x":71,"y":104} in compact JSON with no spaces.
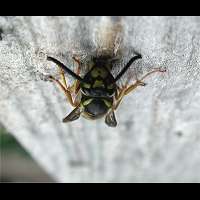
{"x":158,"y":133}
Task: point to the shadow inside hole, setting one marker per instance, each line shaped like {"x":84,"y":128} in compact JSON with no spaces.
{"x":179,"y":133}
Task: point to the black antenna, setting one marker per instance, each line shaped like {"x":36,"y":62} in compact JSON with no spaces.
{"x":127,"y":66}
{"x":65,"y":68}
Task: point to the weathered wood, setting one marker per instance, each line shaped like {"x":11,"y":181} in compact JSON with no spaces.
{"x":157,"y":138}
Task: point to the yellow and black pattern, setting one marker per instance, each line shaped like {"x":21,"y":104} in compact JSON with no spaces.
{"x":100,"y":94}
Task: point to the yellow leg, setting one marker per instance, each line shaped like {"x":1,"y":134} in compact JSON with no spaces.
{"x":65,"y":90}
{"x":63,"y":85}
{"x":63,"y":77}
{"x":76,"y":85}
{"x":133,"y":86}
{"x":140,"y":82}
{"x":126,"y":90}
{"x":119,"y":98}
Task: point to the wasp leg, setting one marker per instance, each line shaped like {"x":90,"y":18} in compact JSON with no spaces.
{"x":62,"y":74}
{"x":77,"y":61}
{"x":119,"y":96}
{"x":76,"y":85}
{"x":140,"y":82}
{"x":65,"y":90}
{"x":126,"y":90}
{"x":121,"y":92}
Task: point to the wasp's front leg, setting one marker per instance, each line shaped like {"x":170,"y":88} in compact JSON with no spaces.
{"x":65,"y":90}
{"x":76,"y":85}
{"x":74,"y":89}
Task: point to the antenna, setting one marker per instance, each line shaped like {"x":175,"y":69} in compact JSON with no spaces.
{"x":127,"y":66}
{"x":65,"y":68}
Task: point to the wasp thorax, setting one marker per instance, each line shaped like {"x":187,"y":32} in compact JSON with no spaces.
{"x":98,"y":82}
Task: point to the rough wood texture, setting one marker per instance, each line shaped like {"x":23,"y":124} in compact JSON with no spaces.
{"x":157,"y":138}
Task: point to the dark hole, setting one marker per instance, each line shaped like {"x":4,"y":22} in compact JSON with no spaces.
{"x":179,"y":134}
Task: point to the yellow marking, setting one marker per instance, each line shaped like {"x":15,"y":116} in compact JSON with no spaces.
{"x":95,"y":73}
{"x":98,"y":83}
{"x":87,"y":85}
{"x":88,"y":101}
{"x":99,"y":72}
{"x":81,"y":106}
{"x":108,"y":103}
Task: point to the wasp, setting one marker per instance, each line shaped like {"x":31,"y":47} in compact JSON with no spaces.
{"x":100,"y":93}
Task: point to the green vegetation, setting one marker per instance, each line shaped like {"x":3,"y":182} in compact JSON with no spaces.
{"x":9,"y":144}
